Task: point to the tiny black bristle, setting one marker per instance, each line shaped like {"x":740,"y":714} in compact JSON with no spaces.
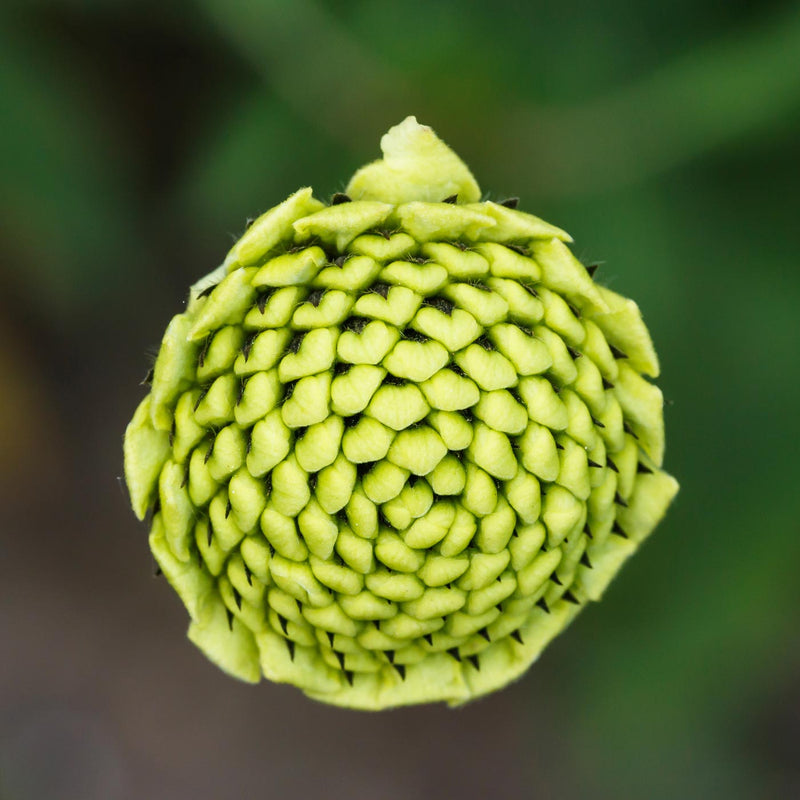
{"x":242,"y":386}
{"x":592,"y":463}
{"x":485,"y":633}
{"x":299,"y":604}
{"x":296,"y":341}
{"x":339,"y":198}
{"x":248,"y":575}
{"x":364,"y":468}
{"x":290,"y":645}
{"x":330,"y":637}
{"x":401,"y":670}
{"x":148,"y":378}
{"x":517,"y":636}
{"x":341,"y":368}
{"x":203,"y":393}
{"x":556,"y":580}
{"x":283,"y":622}
{"x":157,"y":571}
{"x":542,"y":603}
{"x":339,"y":658}
{"x":428,"y":638}
{"x":207,"y":291}
{"x":585,"y":560}
{"x":348,"y":674}
{"x":201,"y":358}
{"x":389,"y":655}
{"x":620,"y":500}
{"x":616,"y":352}
{"x":615,"y":528}
{"x":210,"y":534}
{"x":237,"y":598}
{"x":588,"y":531}
{"x":379,"y":288}
{"x":228,"y":509}
{"x":591,"y":269}
{"x":597,"y":423}
{"x":261,"y":303}
{"x":414,"y":336}
{"x":355,"y":324}
{"x":573,"y":352}
{"x":643,"y":469}
{"x":510,"y":202}
{"x":440,"y":304}
{"x":626,"y":426}
{"x":453,"y":367}
{"x":453,"y":651}
{"x":607,"y":384}
{"x":315,"y":297}
{"x":229,"y":614}
{"x":610,"y":463}
{"x":453,"y":199}
{"x":570,"y":598}
{"x":474,"y":661}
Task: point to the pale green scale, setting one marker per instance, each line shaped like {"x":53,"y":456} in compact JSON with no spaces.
{"x":219,"y":352}
{"x":335,"y":484}
{"x":384,"y":482}
{"x":397,"y":308}
{"x":227,"y":453}
{"x":500,"y":411}
{"x":416,"y":361}
{"x":488,"y":368}
{"x":316,"y":353}
{"x":274,"y":308}
{"x":318,"y":529}
{"x":332,"y":308}
{"x":424,"y":279}
{"x":309,"y":401}
{"x":290,"y":269}
{"x":356,"y":273}
{"x":319,"y":446}
{"x":454,"y":330}
{"x":258,"y":395}
{"x":398,"y":407}
{"x":225,"y":530}
{"x":202,"y":487}
{"x":368,"y":346}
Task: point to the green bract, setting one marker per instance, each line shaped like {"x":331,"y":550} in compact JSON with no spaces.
{"x":396,"y":443}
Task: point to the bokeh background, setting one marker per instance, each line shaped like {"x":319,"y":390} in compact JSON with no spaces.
{"x":135,"y":140}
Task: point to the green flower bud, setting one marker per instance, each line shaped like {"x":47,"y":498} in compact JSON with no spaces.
{"x":396,"y":443}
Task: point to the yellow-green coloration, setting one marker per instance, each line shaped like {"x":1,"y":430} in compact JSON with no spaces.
{"x":396,"y":443}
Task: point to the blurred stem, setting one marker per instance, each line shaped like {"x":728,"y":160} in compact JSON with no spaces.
{"x":720,"y":93}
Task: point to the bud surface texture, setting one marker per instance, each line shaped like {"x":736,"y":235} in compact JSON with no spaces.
{"x":394,"y":444}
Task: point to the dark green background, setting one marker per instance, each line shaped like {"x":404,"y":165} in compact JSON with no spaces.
{"x":135,"y":140}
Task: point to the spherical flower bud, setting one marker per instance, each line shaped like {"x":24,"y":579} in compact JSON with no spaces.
{"x":394,"y":444}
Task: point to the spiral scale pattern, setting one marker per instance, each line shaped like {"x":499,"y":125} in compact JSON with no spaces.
{"x":391,"y":449}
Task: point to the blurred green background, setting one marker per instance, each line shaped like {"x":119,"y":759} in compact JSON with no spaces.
{"x":135,"y":140}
